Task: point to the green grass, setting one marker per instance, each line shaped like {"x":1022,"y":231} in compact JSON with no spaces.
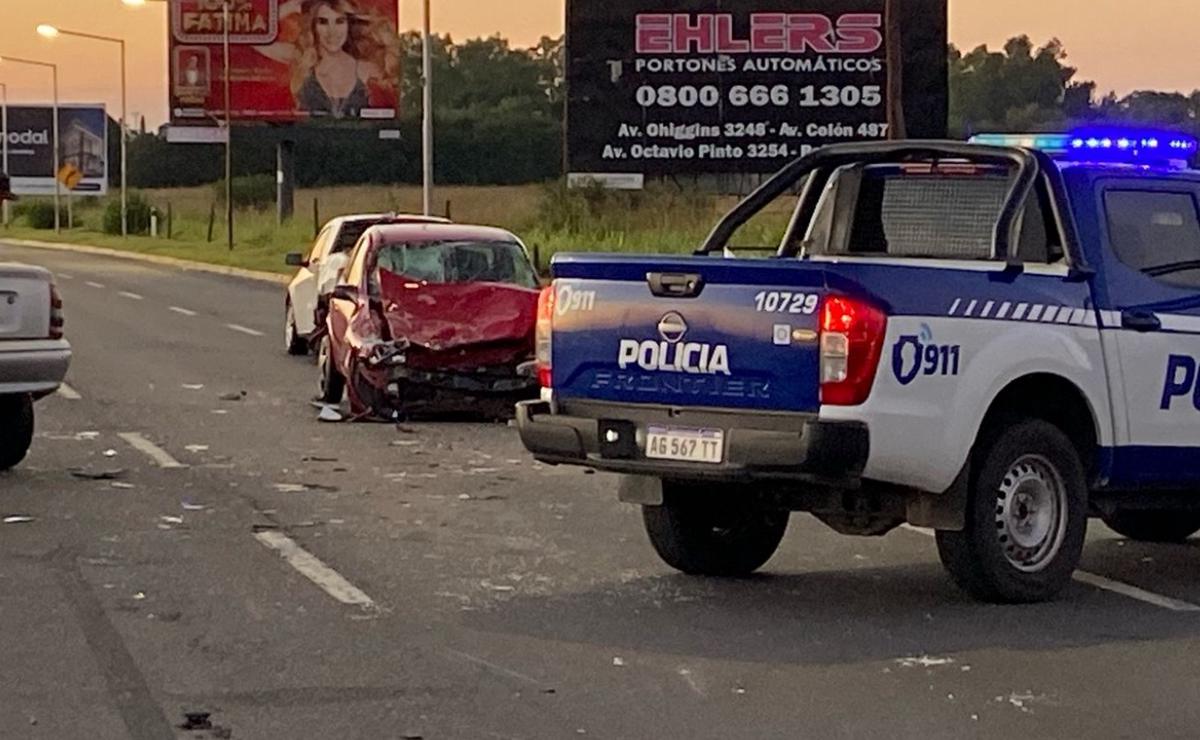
{"x":548,"y":218}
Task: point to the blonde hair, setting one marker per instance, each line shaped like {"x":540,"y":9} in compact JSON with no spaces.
{"x":369,"y":38}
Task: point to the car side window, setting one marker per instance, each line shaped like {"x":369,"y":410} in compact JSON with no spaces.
{"x":318,"y":249}
{"x":1156,"y":233}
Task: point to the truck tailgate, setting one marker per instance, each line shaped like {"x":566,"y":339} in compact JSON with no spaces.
{"x":744,"y":336}
{"x":24,"y":302}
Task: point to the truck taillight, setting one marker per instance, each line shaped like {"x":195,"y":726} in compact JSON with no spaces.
{"x":852,"y":334}
{"x":544,"y":336}
{"x":56,"y":313}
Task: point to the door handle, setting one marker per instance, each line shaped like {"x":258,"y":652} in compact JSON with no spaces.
{"x":1140,"y":320}
{"x":675,"y":285}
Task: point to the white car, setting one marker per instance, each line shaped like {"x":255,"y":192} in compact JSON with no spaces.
{"x":319,"y":270}
{"x":34,"y":356}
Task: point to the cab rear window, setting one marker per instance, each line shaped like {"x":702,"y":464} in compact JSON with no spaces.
{"x":1156,"y":233}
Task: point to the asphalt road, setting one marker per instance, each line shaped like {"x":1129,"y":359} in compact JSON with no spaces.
{"x":305,"y":580}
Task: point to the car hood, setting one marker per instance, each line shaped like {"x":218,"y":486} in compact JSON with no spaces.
{"x":440,"y":317}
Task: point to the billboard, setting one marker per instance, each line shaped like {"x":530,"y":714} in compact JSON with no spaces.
{"x":728,"y":86}
{"x":289,"y":61}
{"x":82,"y":140}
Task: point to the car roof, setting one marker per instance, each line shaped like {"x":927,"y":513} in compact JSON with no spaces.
{"x":441,"y":232}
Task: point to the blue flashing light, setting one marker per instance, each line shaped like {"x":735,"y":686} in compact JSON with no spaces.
{"x":1123,"y":146}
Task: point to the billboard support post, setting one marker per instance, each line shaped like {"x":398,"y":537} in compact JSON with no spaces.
{"x":285,"y":181}
{"x":4,"y":135}
{"x":228,"y":130}
{"x":54,"y":78}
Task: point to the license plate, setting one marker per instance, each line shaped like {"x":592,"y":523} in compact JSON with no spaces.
{"x":686,"y":445}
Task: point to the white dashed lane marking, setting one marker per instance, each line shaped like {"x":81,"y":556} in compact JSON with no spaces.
{"x":160,"y":456}
{"x":68,"y":392}
{"x":1108,"y":584}
{"x":245,"y":330}
{"x":184,"y":311}
{"x":131,"y":296}
{"x":328,"y":579}
{"x":92,"y":284}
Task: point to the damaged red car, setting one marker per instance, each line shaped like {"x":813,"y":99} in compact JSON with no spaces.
{"x":432,"y":318}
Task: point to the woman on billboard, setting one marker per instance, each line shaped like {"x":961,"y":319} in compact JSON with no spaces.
{"x":342,"y":60}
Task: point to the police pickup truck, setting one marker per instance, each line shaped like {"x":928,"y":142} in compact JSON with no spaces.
{"x":995,"y":339}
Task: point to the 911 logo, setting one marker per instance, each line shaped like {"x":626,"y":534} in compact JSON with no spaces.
{"x":917,"y":354}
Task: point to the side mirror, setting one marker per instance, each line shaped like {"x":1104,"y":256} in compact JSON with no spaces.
{"x":345,"y":293}
{"x":295,"y":259}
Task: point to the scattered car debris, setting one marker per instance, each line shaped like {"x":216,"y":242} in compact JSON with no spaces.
{"x":18,"y":519}
{"x":233,"y":396}
{"x":403,"y":443}
{"x":111,"y":474}
{"x":139,"y":596}
{"x":314,"y":458}
{"x":193,"y":386}
{"x":618,"y":662}
{"x":220,"y":411}
{"x":196,"y":721}
{"x":172,"y":519}
{"x":302,"y":487}
{"x":110,"y":453}
{"x":87,"y":435}
{"x":123,"y":486}
{"x":196,"y":448}
{"x":189,"y":506}
{"x":923,"y":661}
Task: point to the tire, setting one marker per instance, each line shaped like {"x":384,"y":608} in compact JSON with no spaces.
{"x":709,"y":533}
{"x":332,"y":385}
{"x":295,"y":344}
{"x":1154,"y":525}
{"x":16,"y":429}
{"x":1026,"y":517}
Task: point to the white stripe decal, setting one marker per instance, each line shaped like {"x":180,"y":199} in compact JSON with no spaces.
{"x":1020,"y":312}
{"x":1064,"y":315}
{"x":1089,"y":318}
{"x":1035,"y":313}
{"x":954,"y":306}
{"x":970,"y":308}
{"x":1003,"y":312}
{"x":1051,"y":312}
{"x":987,"y":309}
{"x":1178,"y":322}
{"x":1078,"y":316}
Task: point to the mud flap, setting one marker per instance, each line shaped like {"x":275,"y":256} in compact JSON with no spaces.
{"x":946,"y":510}
{"x":644,"y":490}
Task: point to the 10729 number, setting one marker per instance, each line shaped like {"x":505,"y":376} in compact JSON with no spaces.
{"x":782,"y":301}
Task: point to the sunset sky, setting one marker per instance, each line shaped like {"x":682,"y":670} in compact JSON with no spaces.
{"x":1122,"y":45}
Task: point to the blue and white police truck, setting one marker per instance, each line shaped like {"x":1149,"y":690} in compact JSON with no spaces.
{"x":995,"y":339}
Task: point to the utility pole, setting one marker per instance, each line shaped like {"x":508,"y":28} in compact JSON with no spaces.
{"x":228,"y":133}
{"x":427,"y":117}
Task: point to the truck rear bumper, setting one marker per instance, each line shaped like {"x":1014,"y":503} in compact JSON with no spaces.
{"x":33,"y":367}
{"x":757,"y":447}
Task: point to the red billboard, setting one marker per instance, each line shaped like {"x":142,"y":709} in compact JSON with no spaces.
{"x":289,"y":60}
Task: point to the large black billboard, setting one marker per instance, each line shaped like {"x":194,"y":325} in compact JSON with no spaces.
{"x":663,"y":87}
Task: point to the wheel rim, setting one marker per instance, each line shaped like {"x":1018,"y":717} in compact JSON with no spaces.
{"x":1031,"y":513}
{"x":323,"y":363}
{"x":289,"y":328}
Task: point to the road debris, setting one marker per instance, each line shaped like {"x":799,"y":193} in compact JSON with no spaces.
{"x":196,"y":448}
{"x":87,"y":435}
{"x":189,"y":506}
{"x":232,"y":396}
{"x":193,"y":386}
{"x":302,"y":487}
{"x":18,"y":519}
{"x":924,"y":661}
{"x":314,"y":458}
{"x":110,"y":453}
{"x":139,"y":596}
{"x":172,"y":519}
{"x":111,"y":474}
{"x":123,"y":486}
{"x":196,"y":721}
{"x":220,"y":411}
{"x":403,"y":443}
{"x":618,"y":662}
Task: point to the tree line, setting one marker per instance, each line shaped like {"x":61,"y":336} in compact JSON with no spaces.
{"x":499,"y":117}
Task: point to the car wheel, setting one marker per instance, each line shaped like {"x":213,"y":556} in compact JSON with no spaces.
{"x":1154,"y":526}
{"x":332,"y":385}
{"x":1026,"y":517}
{"x":16,"y":429}
{"x":713,"y":534}
{"x":295,"y":344}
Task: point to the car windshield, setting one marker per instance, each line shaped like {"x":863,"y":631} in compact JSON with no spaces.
{"x":349,"y":234}
{"x":457,"y":262}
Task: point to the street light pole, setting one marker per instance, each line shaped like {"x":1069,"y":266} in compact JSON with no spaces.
{"x":54,"y":77}
{"x":51,"y":32}
{"x":427,"y":116}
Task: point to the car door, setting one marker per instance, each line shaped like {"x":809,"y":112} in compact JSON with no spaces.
{"x":304,"y":286}
{"x":342,"y":310}
{"x":1152,"y":276}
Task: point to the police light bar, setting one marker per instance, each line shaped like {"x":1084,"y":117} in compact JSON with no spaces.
{"x":1124,"y":146}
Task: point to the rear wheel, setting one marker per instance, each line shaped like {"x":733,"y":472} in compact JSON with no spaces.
{"x":707,"y":532}
{"x":332,"y":384}
{"x":16,"y":429}
{"x":295,"y":344}
{"x":1026,"y":517}
{"x":1154,"y":526}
